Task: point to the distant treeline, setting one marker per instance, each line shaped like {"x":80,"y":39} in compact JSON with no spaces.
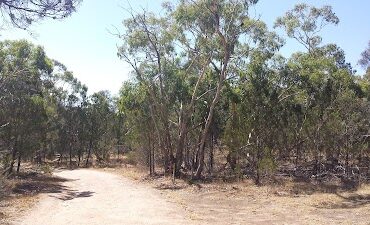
{"x":209,"y":94}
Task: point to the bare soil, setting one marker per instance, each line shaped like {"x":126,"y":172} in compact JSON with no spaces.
{"x":245,"y":203}
{"x":125,"y":196}
{"x":87,"y":196}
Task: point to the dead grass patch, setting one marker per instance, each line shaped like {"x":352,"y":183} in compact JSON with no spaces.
{"x":285,"y":202}
{"x":19,"y":191}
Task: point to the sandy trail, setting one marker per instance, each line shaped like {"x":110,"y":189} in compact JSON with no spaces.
{"x":96,"y":197}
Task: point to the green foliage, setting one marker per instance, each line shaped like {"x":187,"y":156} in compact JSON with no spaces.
{"x":303,"y":23}
{"x":207,"y":77}
{"x":46,"y":168}
{"x":46,"y":110}
{"x":131,"y":158}
{"x":23,"y":13}
{"x":195,"y":78}
{"x":266,"y":165}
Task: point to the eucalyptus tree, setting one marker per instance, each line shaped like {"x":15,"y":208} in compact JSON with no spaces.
{"x":365,"y":57}
{"x":207,"y":72}
{"x":148,"y":48}
{"x":22,"y":13}
{"x":23,"y":69}
{"x":304,"y":23}
{"x":70,"y":97}
{"x":200,"y":39}
{"x":229,"y":28}
{"x":323,"y":79}
{"x":138,"y":127}
{"x":365,"y":63}
{"x":100,"y":118}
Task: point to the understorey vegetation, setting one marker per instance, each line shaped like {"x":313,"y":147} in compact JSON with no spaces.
{"x":210,"y":96}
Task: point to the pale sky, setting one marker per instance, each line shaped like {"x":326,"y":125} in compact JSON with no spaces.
{"x":82,"y":42}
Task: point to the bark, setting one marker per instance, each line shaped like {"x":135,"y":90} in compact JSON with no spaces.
{"x":153,"y":158}
{"x":231,"y":159}
{"x":180,"y":150}
{"x":79,"y":157}
{"x":14,"y":154}
{"x":158,"y":110}
{"x":163,"y":106}
{"x":258,"y":160}
{"x":211,"y":154}
{"x":207,"y":126}
{"x":185,"y":115}
{"x":19,"y":162}
{"x":70,"y":156}
{"x":89,"y":153}
{"x":150,"y":154}
{"x":228,"y":49}
{"x":347,"y":162}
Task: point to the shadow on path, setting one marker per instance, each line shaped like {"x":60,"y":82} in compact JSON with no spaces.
{"x":33,"y":183}
{"x":72,"y":194}
{"x":348,"y":202}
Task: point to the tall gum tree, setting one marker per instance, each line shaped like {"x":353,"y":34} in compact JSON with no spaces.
{"x":229,"y":30}
{"x":147,"y":47}
{"x":324,"y":80}
{"x":192,"y":39}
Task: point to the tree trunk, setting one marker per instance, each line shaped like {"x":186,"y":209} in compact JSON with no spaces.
{"x":185,"y":114}
{"x":347,"y":162}
{"x":258,"y":169}
{"x":79,"y":157}
{"x":19,"y":162}
{"x":89,"y":153}
{"x":70,"y":156}
{"x":14,"y":154}
{"x":150,"y":154}
{"x":211,"y":154}
{"x":169,"y":159}
{"x":153,"y":158}
{"x":201,"y":147}
{"x":180,"y":150}
{"x":228,"y":48}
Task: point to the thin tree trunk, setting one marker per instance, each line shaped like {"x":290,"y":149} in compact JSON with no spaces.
{"x":150,"y":155}
{"x":347,"y":162}
{"x":61,"y":159}
{"x":89,"y":153}
{"x":153,"y":159}
{"x":206,"y":129}
{"x":179,"y":150}
{"x":19,"y":162}
{"x":211,"y":154}
{"x":14,"y":153}
{"x":258,"y":160}
{"x":70,"y":156}
{"x":185,"y":114}
{"x":79,"y":157}
{"x":228,"y":48}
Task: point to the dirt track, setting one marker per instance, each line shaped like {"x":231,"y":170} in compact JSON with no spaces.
{"x":95,"y":197}
{"x":92,"y":197}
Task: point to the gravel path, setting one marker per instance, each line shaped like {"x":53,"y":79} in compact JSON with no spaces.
{"x":95,"y":197}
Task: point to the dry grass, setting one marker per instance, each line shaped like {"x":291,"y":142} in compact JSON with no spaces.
{"x":19,"y":191}
{"x":11,"y":207}
{"x":133,"y":172}
{"x":287,"y":202}
{"x":219,"y":202}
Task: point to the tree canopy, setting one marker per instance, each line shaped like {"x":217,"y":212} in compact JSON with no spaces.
{"x":22,"y":13}
{"x":209,"y":95}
